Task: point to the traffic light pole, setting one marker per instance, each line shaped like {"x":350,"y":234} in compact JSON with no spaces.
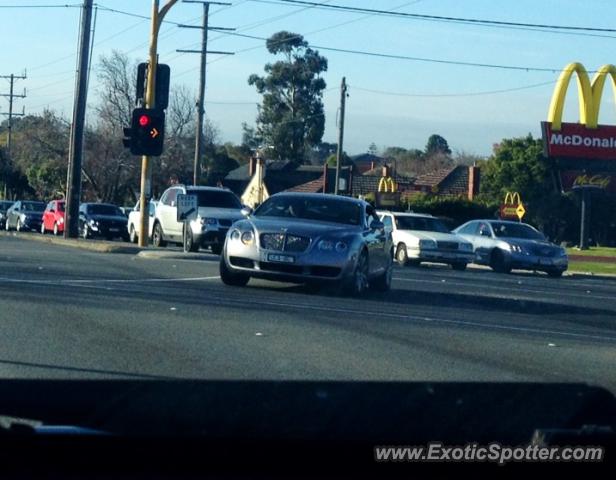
{"x":150,"y":102}
{"x":340,"y":151}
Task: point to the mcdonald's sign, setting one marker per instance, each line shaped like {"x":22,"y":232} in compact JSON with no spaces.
{"x":386,"y":184}
{"x":387,"y":195}
{"x":512,"y":208}
{"x":586,"y":139}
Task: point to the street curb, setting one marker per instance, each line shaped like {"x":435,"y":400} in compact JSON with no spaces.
{"x":157,"y":255}
{"x":91,"y":245}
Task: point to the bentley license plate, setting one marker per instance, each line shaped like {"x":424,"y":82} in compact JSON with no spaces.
{"x":273,"y":257}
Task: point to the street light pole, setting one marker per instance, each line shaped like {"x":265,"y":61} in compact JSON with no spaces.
{"x":150,"y":102}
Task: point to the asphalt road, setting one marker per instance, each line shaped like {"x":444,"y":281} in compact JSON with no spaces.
{"x":67,"y":313}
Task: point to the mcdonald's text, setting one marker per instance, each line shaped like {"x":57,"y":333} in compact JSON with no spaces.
{"x":578,"y":141}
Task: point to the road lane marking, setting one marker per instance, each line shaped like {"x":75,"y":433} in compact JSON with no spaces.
{"x":105,"y":280}
{"x":236,"y":301}
{"x":424,"y":319}
{"x":511,"y":290}
{"x":137,"y":280}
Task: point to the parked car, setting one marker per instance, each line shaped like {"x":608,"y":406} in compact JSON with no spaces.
{"x":134,"y":219}
{"x":310,"y":238}
{"x":102,"y":220}
{"x":505,"y":245}
{"x":53,"y":217}
{"x":420,"y":237}
{"x":126,"y":210}
{"x":24,"y":215}
{"x":217,"y":209}
{"x":4,"y":206}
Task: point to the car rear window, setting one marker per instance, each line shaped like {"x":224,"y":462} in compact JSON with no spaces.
{"x":104,"y":210}
{"x":422,"y":224}
{"x":215,"y":199}
{"x":33,"y":206}
{"x":516,"y":230}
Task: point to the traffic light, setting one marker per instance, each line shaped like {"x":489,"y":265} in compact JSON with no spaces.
{"x":163,"y":77}
{"x":146,"y":134}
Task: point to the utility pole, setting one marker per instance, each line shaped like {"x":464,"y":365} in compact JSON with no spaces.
{"x":75,"y":154}
{"x":343,"y":95}
{"x":150,"y":102}
{"x":199,"y":140}
{"x":11,"y":95}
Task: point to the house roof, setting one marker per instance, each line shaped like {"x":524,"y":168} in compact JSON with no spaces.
{"x":448,"y":181}
{"x":316,"y":185}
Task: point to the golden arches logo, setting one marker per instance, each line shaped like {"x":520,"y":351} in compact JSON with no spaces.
{"x":511,"y":197}
{"x":386,"y":184}
{"x":589,"y":94}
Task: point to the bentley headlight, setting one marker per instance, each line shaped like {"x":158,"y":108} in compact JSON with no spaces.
{"x":341,"y":247}
{"x":248,"y":237}
{"x":467,"y":247}
{"x":235,"y":235}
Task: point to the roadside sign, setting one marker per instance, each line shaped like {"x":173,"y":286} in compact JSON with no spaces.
{"x":512,"y":208}
{"x":186,"y":207}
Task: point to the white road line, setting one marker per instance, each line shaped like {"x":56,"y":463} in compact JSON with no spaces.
{"x":434,"y":320}
{"x":106,"y":280}
{"x":138,"y":280}
{"x":513,"y":290}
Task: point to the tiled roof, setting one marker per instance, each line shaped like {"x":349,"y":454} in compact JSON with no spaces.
{"x":433,"y":179}
{"x":314,"y":186}
{"x":456,"y":182}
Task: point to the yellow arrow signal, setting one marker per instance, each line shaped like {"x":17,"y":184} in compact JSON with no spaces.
{"x":154,"y":133}
{"x":520,"y":211}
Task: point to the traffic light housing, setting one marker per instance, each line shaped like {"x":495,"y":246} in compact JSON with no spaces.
{"x":146,"y":134}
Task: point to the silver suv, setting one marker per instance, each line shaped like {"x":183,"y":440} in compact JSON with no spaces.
{"x":218,"y":209}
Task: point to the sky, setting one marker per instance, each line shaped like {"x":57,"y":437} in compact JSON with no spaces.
{"x":392,"y":101}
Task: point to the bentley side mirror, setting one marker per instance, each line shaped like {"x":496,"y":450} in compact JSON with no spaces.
{"x":246,"y":211}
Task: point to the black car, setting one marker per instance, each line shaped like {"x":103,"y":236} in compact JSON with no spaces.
{"x":24,"y":215}
{"x":4,"y":206}
{"x":102,"y":220}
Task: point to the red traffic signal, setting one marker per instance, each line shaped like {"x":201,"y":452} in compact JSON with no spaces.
{"x":147,"y":132}
{"x":144,"y":120}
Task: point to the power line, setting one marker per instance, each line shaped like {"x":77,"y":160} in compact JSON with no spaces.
{"x":419,"y":59}
{"x":42,"y":6}
{"x":449,"y":95}
{"x":440,"y":17}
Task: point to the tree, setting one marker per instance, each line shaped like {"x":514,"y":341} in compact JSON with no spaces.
{"x":437,"y":144}
{"x":111,"y":172}
{"x":321,"y":152}
{"x":220,"y":164}
{"x":39,"y":154}
{"x":518,"y":165}
{"x":291,"y":118}
{"x":344,"y":161}
{"x":372,"y":149}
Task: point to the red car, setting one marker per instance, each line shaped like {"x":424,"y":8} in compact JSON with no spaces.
{"x":53,"y":217}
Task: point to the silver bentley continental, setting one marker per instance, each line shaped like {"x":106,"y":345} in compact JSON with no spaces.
{"x":310,"y":238}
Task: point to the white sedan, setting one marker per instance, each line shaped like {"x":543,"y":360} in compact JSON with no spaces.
{"x":423,"y":238}
{"x":134,"y":221}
